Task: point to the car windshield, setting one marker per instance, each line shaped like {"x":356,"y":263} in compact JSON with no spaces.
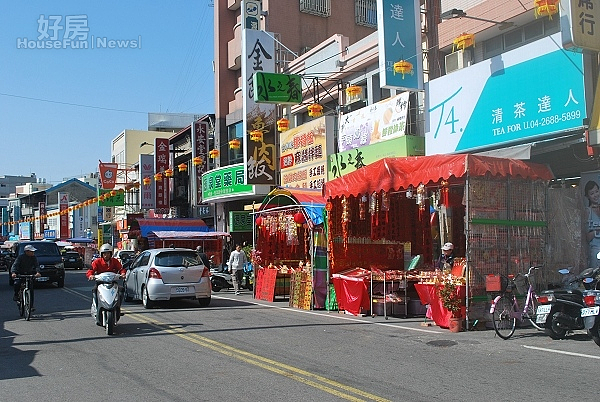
{"x":177,"y":259}
{"x":45,"y":249}
{"x":72,"y":254}
{"x":126,"y":254}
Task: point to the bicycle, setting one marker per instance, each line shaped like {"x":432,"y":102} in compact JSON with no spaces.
{"x":24,"y":299}
{"x":505,"y":309}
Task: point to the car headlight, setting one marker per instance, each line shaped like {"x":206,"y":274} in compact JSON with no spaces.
{"x":60,"y":266}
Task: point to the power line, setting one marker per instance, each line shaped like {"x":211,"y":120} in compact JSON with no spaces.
{"x":72,"y":104}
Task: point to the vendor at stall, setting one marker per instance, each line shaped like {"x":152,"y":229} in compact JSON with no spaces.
{"x":446,"y":259}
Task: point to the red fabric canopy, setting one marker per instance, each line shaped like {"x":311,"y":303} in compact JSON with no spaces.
{"x":399,"y":173}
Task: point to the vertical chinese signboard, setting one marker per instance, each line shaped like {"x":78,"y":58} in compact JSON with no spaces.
{"x":63,"y":205}
{"x":147,"y":192}
{"x":42,"y":218}
{"x":259,"y":156}
{"x":161,"y":163}
{"x":578,"y":24}
{"x":199,"y":150}
{"x":399,"y":30}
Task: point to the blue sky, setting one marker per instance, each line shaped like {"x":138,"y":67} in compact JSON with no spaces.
{"x":60,"y":108}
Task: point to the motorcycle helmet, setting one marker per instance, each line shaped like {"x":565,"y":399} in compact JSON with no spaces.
{"x":106,"y":247}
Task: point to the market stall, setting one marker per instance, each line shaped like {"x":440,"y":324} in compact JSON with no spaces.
{"x":289,"y":254}
{"x":492,"y":209}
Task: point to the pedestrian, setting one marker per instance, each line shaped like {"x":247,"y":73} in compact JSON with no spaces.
{"x":203,"y":257}
{"x":446,"y":259}
{"x":25,"y":264}
{"x":237,"y":260}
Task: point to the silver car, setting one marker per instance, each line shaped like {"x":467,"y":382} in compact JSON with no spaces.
{"x":167,"y":274}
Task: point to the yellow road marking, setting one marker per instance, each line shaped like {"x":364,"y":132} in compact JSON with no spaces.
{"x":294,"y":373}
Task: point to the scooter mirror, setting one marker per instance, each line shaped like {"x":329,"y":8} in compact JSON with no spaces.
{"x":588,"y":280}
{"x":564,"y":271}
{"x":598,"y":255}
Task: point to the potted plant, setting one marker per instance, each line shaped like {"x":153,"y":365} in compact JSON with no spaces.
{"x":452,"y":302}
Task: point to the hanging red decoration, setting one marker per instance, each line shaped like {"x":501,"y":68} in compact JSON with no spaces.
{"x":259,"y":221}
{"x":299,"y":218}
{"x":328,"y":206}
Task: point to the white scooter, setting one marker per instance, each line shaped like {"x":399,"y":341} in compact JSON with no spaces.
{"x":109,"y":301}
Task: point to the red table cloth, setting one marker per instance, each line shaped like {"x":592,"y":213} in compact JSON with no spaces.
{"x":429,"y":295}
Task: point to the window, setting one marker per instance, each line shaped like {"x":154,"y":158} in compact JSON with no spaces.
{"x":520,"y":36}
{"x":322,"y":8}
{"x":366,"y":13}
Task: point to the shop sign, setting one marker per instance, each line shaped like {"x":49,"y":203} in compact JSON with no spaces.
{"x":240,"y":221}
{"x":252,"y":10}
{"x":506,"y":99}
{"x":205,"y":211}
{"x":49,"y":234}
{"x":227,"y":181}
{"x":108,"y":175}
{"x":200,"y":149}
{"x":258,"y":55}
{"x":578,"y":24}
{"x":379,"y":122}
{"x":277,"y":88}
{"x":118,"y":200}
{"x":63,"y":205}
{"x":345,"y":162}
{"x":399,"y":34}
{"x":24,"y":231}
{"x":147,"y":193}
{"x":161,"y":163}
{"x":303,"y":153}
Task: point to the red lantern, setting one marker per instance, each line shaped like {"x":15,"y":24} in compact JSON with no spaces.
{"x":259,"y":221}
{"x":182,"y":167}
{"x":299,"y":218}
{"x":328,"y":206}
{"x":146,"y":181}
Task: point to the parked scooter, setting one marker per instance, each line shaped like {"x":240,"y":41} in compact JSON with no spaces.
{"x":590,"y":313}
{"x":560,"y":309}
{"x":220,"y":278}
{"x":109,"y":301}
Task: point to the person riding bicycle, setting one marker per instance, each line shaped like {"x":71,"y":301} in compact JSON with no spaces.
{"x":106,"y":263}
{"x":25,"y":264}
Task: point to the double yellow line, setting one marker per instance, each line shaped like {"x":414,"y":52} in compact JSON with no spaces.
{"x":324,"y":384}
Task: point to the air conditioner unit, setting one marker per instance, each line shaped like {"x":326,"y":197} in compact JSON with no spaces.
{"x":457,"y":60}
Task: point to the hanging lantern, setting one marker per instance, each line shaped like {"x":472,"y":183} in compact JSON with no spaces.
{"x":259,"y":221}
{"x":283,"y":124}
{"x":403,"y":67}
{"x":299,"y":218}
{"x":353,"y":92}
{"x":256,"y":135}
{"x":158,"y":177}
{"x":213,"y":154}
{"x":545,"y":8}
{"x":146,"y":181}
{"x":114,"y":192}
{"x":234,"y":144}
{"x":464,"y":41}
{"x":182,"y":167}
{"x":315,"y":110}
{"x":169,"y":173}
{"x":197,"y":161}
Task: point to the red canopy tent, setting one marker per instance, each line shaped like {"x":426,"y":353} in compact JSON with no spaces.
{"x":395,"y":173}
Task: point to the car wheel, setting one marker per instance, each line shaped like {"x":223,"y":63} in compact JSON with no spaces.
{"x":204,"y":302}
{"x":146,"y":302}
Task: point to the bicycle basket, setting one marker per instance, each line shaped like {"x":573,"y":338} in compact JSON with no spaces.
{"x":521,"y":284}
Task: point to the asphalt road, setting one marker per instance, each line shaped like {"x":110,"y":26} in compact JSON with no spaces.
{"x":242,"y":349}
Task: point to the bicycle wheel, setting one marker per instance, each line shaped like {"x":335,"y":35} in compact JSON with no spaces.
{"x":27,"y":303}
{"x":504,"y":317}
{"x":532,"y":313}
{"x":20,"y":304}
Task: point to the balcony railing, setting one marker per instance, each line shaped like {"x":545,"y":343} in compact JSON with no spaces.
{"x":366,"y":13}
{"x":321,"y":8}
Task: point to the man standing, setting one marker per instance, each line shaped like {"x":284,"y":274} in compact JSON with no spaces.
{"x":237,"y":260}
{"x":25,"y":264}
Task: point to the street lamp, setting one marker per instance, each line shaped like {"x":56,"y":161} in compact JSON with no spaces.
{"x":457,"y":13}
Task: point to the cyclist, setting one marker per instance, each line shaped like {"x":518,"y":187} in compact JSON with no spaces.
{"x":106,"y":263}
{"x":25,"y":264}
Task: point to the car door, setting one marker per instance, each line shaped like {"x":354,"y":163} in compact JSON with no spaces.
{"x":135,"y":275}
